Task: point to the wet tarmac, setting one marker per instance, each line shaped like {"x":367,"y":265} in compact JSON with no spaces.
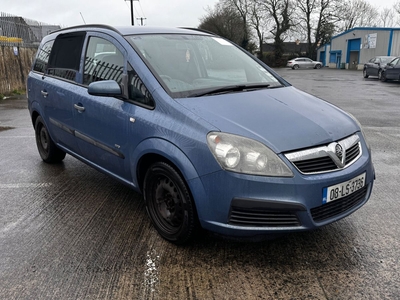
{"x":70,"y":232}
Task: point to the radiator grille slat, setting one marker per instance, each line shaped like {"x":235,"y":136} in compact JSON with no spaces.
{"x":262,"y":218}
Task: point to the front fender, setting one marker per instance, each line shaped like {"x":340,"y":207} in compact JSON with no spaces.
{"x":177,"y":157}
{"x":167,"y":150}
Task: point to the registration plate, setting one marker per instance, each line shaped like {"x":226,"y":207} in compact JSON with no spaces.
{"x":337,"y":191}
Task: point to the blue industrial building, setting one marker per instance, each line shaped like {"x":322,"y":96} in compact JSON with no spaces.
{"x":352,"y":48}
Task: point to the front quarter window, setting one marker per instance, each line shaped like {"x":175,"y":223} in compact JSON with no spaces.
{"x":191,"y":64}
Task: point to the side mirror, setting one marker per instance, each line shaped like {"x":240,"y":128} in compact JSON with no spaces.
{"x":108,"y":88}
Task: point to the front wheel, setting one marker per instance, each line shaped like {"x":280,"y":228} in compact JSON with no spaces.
{"x":48,"y":150}
{"x":383,"y":76}
{"x":380,"y":74}
{"x":318,"y":66}
{"x":169,"y":203}
{"x":365,"y":73}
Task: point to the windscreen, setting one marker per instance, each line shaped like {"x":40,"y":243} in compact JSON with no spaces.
{"x":188,"y":64}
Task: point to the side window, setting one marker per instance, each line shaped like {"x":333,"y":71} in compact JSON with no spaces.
{"x":65,"y":55}
{"x":42,"y":57}
{"x":137,"y":90}
{"x":103,"y":61}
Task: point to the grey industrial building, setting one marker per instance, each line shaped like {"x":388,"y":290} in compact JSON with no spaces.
{"x":352,"y":48}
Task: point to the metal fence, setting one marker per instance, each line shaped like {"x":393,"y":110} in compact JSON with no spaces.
{"x":19,"y":31}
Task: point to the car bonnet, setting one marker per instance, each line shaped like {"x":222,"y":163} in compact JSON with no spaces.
{"x":284,"y":118}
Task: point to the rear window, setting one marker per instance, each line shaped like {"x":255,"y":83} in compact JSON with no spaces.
{"x":65,"y":56}
{"x":42,"y":57}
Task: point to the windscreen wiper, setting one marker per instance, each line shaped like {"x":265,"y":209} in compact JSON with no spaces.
{"x":231,"y":88}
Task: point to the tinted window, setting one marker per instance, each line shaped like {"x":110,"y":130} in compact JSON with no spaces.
{"x":42,"y":57}
{"x":103,"y":61}
{"x":65,"y":56}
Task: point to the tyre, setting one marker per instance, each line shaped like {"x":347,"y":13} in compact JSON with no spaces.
{"x":169,"y":203}
{"x":383,"y":76}
{"x":295,"y":67}
{"x":380,"y":74}
{"x":365,"y":73}
{"x":318,"y":66}
{"x":48,"y":150}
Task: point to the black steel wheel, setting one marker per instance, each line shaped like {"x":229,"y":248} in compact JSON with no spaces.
{"x":48,"y":150}
{"x":169,"y":203}
{"x":365,"y":73}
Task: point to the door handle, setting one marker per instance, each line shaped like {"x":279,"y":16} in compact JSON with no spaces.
{"x":44,"y":93}
{"x":79,"y":108}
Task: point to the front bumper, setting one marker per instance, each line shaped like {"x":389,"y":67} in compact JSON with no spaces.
{"x":241,"y":205}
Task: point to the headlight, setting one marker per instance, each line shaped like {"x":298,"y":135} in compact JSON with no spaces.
{"x":243,"y":155}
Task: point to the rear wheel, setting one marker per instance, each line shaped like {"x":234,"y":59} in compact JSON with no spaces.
{"x":48,"y":150}
{"x":295,"y":67}
{"x":169,"y":203}
{"x":365,"y":73}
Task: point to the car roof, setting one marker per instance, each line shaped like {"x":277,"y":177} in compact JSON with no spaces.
{"x":131,"y":30}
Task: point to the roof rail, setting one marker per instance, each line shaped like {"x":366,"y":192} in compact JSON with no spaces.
{"x":199,"y":29}
{"x":89,"y":25}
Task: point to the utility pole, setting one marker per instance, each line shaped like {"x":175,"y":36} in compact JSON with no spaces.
{"x":132,"y":18}
{"x":141,"y":20}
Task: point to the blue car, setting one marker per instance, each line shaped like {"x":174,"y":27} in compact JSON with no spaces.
{"x":211,"y":136}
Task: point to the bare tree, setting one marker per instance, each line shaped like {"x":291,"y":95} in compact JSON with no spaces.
{"x":242,"y":7}
{"x":259,"y":22}
{"x":397,"y":7}
{"x":224,"y":21}
{"x":314,"y":17}
{"x":387,"y":17}
{"x":281,"y":12}
{"x":356,"y":13}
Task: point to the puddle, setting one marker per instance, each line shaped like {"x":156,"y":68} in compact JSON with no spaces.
{"x":4,"y":128}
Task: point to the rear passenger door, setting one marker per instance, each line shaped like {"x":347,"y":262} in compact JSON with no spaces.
{"x":58,"y":85}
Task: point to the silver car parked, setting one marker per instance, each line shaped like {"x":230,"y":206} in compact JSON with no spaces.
{"x":303,"y":62}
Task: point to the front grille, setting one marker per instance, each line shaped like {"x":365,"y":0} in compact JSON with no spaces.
{"x":324,"y":158}
{"x":352,"y":153}
{"x":262,"y":218}
{"x":339,"y":206}
{"x":322,"y":164}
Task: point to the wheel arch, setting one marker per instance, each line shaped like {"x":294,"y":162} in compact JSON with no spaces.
{"x":156,"y":149}
{"x":35,"y":113}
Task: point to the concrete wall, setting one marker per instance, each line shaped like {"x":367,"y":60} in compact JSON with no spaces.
{"x":15,"y":63}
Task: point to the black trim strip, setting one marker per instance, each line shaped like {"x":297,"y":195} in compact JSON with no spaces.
{"x":87,"y":139}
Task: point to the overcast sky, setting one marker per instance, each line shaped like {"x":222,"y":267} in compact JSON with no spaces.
{"x":170,"y":13}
